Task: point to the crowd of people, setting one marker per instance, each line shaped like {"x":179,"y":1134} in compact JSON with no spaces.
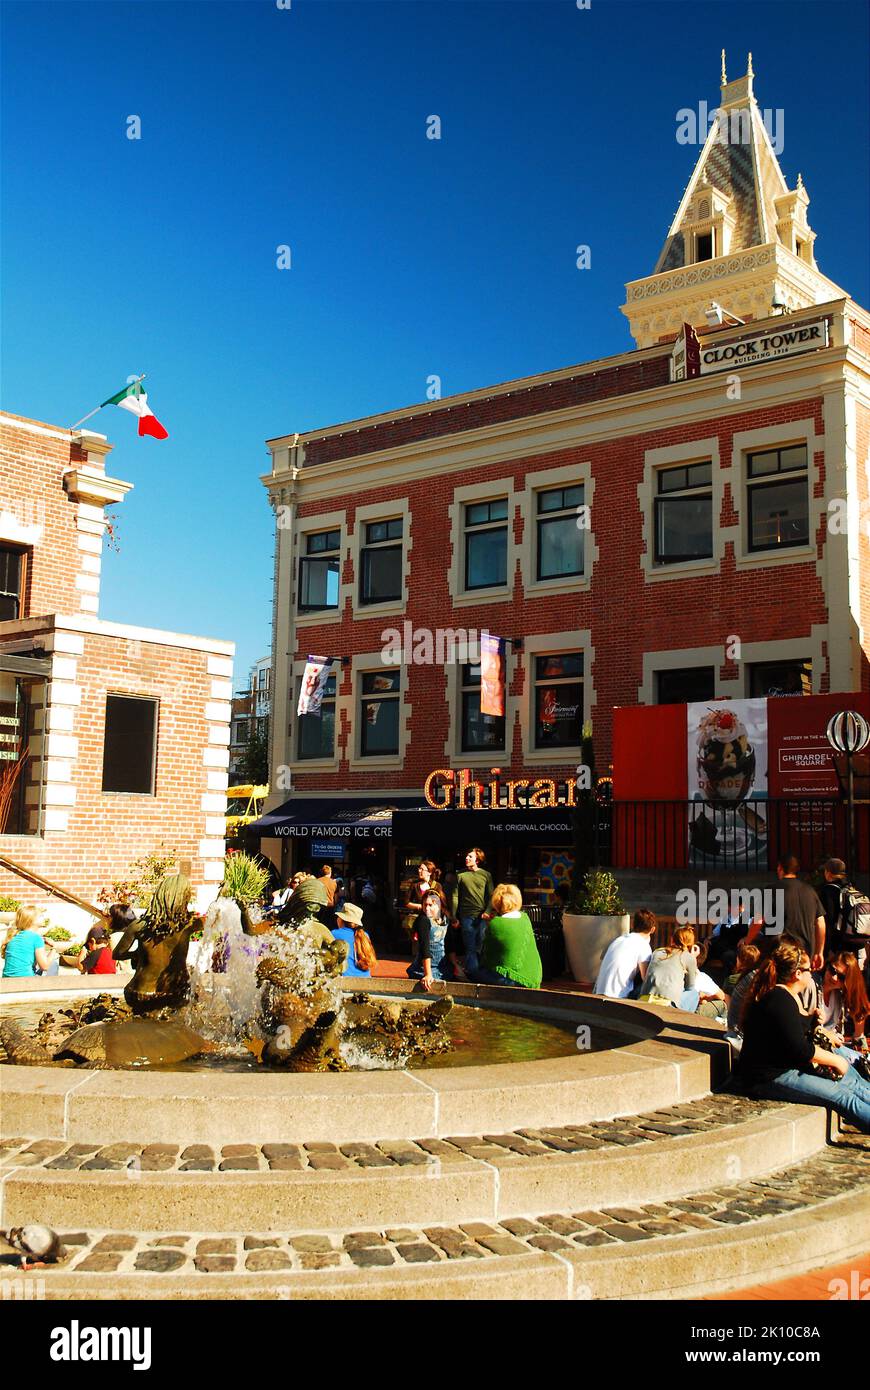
{"x":792,"y":993}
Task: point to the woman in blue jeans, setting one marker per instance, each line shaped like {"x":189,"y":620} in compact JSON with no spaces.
{"x":778,"y":1051}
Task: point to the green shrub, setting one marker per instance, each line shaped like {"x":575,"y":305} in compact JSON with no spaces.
{"x":599,"y":896}
{"x":8,"y":904}
{"x":58,"y":934}
{"x":244,"y":880}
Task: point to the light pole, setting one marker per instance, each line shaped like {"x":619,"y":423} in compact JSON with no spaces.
{"x":849,"y":733}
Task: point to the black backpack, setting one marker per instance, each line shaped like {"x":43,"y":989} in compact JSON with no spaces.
{"x":853,"y":918}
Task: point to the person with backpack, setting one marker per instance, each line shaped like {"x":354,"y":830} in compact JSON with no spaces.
{"x":847,"y":911}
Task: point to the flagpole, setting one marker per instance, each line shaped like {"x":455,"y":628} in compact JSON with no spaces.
{"x":100,"y":407}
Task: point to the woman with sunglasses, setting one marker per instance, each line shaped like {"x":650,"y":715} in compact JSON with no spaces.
{"x":779,"y":1054}
{"x":843,"y":1003}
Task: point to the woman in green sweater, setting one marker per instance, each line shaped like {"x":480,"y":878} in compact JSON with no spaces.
{"x":510,"y":953}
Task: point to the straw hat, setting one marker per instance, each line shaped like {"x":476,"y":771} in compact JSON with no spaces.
{"x":350,"y":913}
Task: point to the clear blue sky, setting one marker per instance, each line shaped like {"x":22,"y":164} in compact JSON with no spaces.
{"x":263,"y":126}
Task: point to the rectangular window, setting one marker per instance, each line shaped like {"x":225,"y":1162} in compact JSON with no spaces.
{"x":316,"y":732}
{"x":684,"y":514}
{"x":129,"y":744}
{"x":18,"y":771}
{"x":704,"y":246}
{"x":781,"y":678}
{"x":381,"y":562}
{"x":319,"y":571}
{"x":11,"y":583}
{"x":241,"y":735}
{"x":486,"y":535}
{"x":379,"y":713}
{"x":559,"y":700}
{"x":479,"y":731}
{"x":683,"y":686}
{"x":560,"y":538}
{"x":778,"y":488}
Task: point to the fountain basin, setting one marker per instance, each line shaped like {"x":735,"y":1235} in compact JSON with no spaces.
{"x":651,"y":1061}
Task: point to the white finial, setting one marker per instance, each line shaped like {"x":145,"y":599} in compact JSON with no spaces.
{"x":800,"y":181}
{"x":749,"y":72}
{"x":724,"y":78}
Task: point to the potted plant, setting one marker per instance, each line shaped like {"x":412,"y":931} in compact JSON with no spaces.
{"x":8,"y":908}
{"x":595,"y":917}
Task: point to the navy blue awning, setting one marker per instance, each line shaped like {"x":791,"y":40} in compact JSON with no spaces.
{"x":334,"y":818}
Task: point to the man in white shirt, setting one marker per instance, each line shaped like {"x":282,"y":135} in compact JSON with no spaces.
{"x":626,"y":956}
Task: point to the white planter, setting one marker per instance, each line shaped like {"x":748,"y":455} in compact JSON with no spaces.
{"x":586,"y":940}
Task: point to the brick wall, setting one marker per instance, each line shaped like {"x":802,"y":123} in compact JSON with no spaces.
{"x":32,"y":497}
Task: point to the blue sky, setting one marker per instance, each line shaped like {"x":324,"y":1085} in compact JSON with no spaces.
{"x":306,"y":127}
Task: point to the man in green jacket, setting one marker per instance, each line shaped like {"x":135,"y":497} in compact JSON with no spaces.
{"x":470,"y":901}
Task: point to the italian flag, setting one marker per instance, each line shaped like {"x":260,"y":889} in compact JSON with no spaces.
{"x":134,"y":399}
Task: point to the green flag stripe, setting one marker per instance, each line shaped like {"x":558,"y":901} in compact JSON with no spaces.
{"x":134,"y":390}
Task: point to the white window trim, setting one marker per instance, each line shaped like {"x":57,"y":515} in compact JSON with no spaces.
{"x":364,"y":662}
{"x":746,"y":442}
{"x":675,"y":456}
{"x":380,"y":511}
{"x":788,"y":649}
{"x":294,"y":762}
{"x":545,"y":480}
{"x":675,"y":660}
{"x":541,"y":644}
{"x":487,"y":491}
{"x":453,"y":755}
{"x":310,"y":526}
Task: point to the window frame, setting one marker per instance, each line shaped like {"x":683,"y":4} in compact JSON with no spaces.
{"x":388,"y":544}
{"x":363,"y":698}
{"x":559,"y":514}
{"x":778,"y":477}
{"x":22,"y":553}
{"x":467,"y":687}
{"x":328,"y":699}
{"x":690,"y":492}
{"x":154,"y":701}
{"x":677,"y":671}
{"x":334,"y":552}
{"x":470,"y":530}
{"x":752,"y":667}
{"x":535,"y":681}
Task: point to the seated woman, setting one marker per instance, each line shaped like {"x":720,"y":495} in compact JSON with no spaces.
{"x":25,"y":949}
{"x":706,"y":999}
{"x":737,"y":985}
{"x":842,"y":1002}
{"x":509,"y":955}
{"x":430,"y":932}
{"x":672,"y":969}
{"x":779,"y":1057}
{"x":361,"y":958}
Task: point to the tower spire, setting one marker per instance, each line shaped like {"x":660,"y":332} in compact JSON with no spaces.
{"x":724,"y":75}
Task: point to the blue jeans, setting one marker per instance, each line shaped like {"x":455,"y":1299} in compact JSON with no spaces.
{"x":473,"y":930}
{"x":481,"y":976}
{"x":849,"y":1096}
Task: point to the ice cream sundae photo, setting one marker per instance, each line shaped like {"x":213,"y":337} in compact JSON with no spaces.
{"x":726,"y":759}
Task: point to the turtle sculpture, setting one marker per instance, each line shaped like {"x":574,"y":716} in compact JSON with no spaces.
{"x":157,"y":945}
{"x":133,"y":1042}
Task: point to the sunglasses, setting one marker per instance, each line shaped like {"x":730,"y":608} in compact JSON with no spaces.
{"x":835,"y":974}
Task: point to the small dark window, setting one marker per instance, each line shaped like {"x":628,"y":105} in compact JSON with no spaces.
{"x":11,"y":583}
{"x":560,"y":538}
{"x":479,"y":731}
{"x":559,"y":700}
{"x":683,"y":686}
{"x":379,"y":714}
{"x":704,"y":247}
{"x":130,"y":744}
{"x":684,"y":514}
{"x":781,"y":678}
{"x":316,"y":732}
{"x":486,"y":536}
{"x":319,"y":571}
{"x":381,"y":562}
{"x":778,"y":488}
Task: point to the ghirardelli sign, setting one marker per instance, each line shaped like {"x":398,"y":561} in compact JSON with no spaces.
{"x":764,"y":347}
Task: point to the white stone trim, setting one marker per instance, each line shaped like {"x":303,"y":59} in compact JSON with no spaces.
{"x":30,"y":427}
{"x":57,"y":794}
{"x":380,"y":511}
{"x":746,"y":442}
{"x":786,"y":649}
{"x":343,"y":701}
{"x":365,"y":662}
{"x":219,"y":733}
{"x":213,"y":871}
{"x":90,"y":603}
{"x":53,"y":818}
{"x":216,"y":826}
{"x":544,"y":480}
{"x":214,"y":803}
{"x":453,"y":753}
{"x":217,"y":711}
{"x":221,"y":690}
{"x":56,"y":770}
{"x":677,"y":658}
{"x":486,"y":489}
{"x":64,"y":668}
{"x":89,"y":544}
{"x":215,"y":757}
{"x":63,"y":693}
{"x":91,"y":564}
{"x":211,"y":849}
{"x":18,"y":532}
{"x":60,"y":719}
{"x":335,"y":520}
{"x":88,"y":583}
{"x":59,"y":745}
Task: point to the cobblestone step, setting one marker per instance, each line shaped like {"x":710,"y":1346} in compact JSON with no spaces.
{"x":649,"y":1157}
{"x":801,"y":1216}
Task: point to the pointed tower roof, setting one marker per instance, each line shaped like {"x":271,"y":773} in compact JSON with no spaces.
{"x":736,"y":216}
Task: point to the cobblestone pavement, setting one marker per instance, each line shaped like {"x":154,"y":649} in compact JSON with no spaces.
{"x":695,"y":1117}
{"x":837,"y":1171}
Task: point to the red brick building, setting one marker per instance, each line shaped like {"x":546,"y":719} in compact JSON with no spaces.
{"x":645,"y":532}
{"x":113,"y":739}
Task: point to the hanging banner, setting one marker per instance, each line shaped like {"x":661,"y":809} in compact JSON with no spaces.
{"x":686,"y":355}
{"x":314,"y":678}
{"x":727,"y":769}
{"x":491,"y":674}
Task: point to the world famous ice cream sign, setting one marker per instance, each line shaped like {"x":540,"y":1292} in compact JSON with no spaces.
{"x":727,"y":774}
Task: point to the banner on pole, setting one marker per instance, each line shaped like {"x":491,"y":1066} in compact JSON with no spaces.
{"x":314,"y":678}
{"x":491,"y":674}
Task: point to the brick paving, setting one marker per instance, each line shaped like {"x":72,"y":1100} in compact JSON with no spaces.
{"x":837,"y":1171}
{"x":675,"y":1122}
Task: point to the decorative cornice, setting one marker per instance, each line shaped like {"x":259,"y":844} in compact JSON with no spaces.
{"x":91,"y":485}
